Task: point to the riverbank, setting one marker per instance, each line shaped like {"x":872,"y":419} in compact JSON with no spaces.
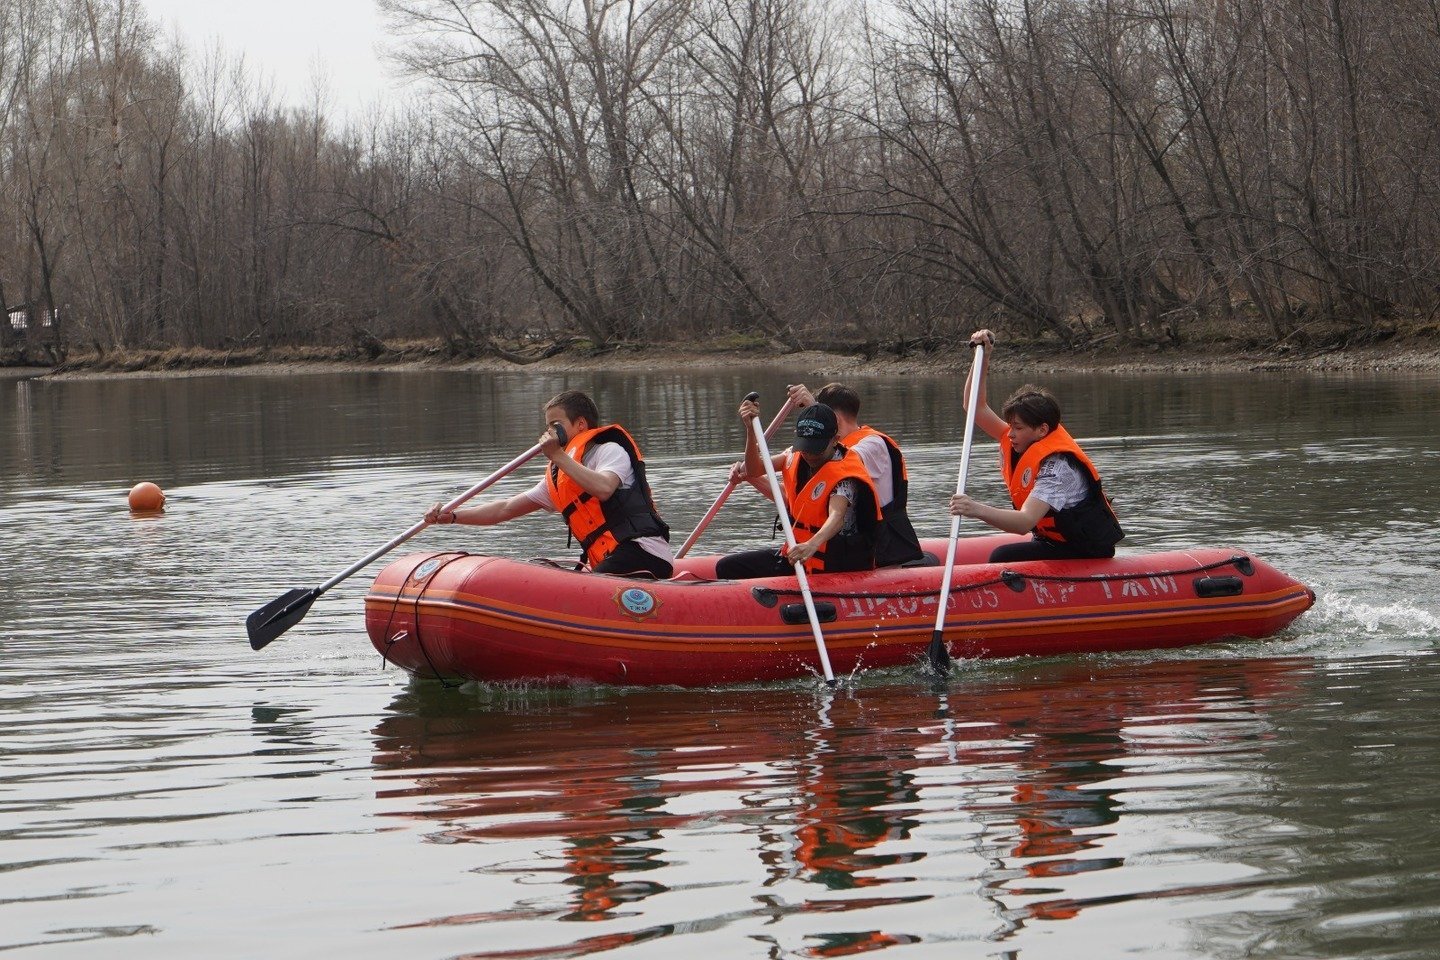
{"x":1416,"y":350}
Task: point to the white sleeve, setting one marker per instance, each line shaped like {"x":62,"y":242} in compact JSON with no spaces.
{"x":540,"y":493}
{"x":875,"y":454}
{"x":1060,"y":483}
{"x":611,"y":457}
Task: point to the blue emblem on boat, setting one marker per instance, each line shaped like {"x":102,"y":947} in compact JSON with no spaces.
{"x":425,"y":569}
{"x":636,"y":602}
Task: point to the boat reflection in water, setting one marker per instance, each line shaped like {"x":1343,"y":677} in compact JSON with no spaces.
{"x":834,"y":823}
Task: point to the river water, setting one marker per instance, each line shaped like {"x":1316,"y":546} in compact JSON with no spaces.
{"x":167,"y":792}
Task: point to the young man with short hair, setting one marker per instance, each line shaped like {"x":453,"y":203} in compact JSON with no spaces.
{"x":831,"y":500}
{"x":596,"y":481}
{"x":1054,"y":488}
{"x":895,"y":540}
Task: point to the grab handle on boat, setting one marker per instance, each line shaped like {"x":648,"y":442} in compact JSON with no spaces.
{"x":1219,"y":586}
{"x":795,"y":613}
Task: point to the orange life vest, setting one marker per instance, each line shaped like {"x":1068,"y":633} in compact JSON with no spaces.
{"x":809,"y":505}
{"x":1020,"y":473}
{"x":895,"y":541}
{"x":601,"y":526}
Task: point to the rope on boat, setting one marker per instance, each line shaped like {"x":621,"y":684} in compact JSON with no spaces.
{"x":1015,"y":581}
{"x":415,"y":614}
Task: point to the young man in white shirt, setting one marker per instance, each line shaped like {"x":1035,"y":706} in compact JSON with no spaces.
{"x":1054,"y":488}
{"x":596,"y":481}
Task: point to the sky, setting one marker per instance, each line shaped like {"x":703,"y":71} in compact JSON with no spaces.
{"x":286,"y":39}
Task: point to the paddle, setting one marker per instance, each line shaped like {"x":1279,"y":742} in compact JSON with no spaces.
{"x":779,"y":497}
{"x":290,"y":608}
{"x":939,"y":656}
{"x":730,"y":486}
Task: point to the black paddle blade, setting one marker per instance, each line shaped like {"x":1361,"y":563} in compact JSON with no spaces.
{"x":938,"y":654}
{"x":278,"y":615}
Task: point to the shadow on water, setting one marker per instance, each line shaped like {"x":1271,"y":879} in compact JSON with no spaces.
{"x":1015,"y":784}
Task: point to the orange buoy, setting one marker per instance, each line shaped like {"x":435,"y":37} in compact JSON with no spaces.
{"x":146,"y":497}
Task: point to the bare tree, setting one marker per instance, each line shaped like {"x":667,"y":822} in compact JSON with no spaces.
{"x":626,"y":170}
{"x":546,"y":95}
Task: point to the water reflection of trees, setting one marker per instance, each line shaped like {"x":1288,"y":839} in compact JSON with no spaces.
{"x":825,"y":805}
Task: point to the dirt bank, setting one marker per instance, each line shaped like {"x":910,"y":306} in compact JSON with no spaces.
{"x":1415,"y":351}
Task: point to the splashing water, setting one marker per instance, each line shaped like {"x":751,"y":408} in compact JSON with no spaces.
{"x":1398,"y":617}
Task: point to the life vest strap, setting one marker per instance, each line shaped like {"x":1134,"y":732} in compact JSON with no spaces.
{"x":575,"y":504}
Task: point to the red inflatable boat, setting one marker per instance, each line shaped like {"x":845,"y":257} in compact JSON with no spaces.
{"x":487,"y":618}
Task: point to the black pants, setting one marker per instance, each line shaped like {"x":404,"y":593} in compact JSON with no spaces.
{"x":768,"y":562}
{"x":751,"y":564}
{"x":629,"y":559}
{"x":1038,"y":548}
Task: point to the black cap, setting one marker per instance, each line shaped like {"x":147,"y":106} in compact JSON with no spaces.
{"x":815,"y":428}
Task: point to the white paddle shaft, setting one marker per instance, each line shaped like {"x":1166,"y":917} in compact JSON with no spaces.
{"x":729,"y":487}
{"x":779,"y":497}
{"x":977,"y":370}
{"x":422,"y":524}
